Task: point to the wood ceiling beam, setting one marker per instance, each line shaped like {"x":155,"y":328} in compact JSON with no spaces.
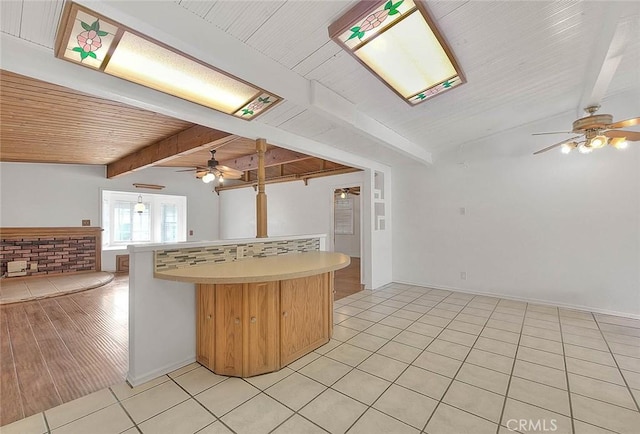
{"x":272,"y":157}
{"x":185,"y":142}
{"x":304,"y":177}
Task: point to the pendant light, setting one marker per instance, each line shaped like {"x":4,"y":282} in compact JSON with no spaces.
{"x":139,"y":208}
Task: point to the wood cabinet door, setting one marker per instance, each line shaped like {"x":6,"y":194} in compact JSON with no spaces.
{"x":304,"y":322}
{"x":205,"y":327}
{"x":228,"y":329}
{"x":262,"y":350}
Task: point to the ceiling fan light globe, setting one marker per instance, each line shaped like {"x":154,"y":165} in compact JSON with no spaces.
{"x":566,"y":148}
{"x":208,"y":178}
{"x":598,"y":142}
{"x":584,"y":149}
{"x":619,"y":143}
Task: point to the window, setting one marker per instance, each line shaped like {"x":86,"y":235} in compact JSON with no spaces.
{"x":164,"y":219}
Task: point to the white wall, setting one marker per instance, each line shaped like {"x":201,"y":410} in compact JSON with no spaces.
{"x":34,"y":195}
{"x":292,"y":207}
{"x":556,"y":228}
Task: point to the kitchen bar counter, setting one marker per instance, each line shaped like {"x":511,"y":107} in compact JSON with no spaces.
{"x":257,"y":315}
{"x":267,"y":269}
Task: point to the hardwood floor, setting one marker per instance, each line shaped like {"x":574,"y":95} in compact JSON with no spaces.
{"x":59,"y":349}
{"x":347,"y":281}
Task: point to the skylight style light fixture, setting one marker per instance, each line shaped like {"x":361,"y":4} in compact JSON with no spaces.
{"x":89,"y":39}
{"x":399,"y":43}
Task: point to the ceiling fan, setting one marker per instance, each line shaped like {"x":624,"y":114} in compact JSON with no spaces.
{"x":596,"y":131}
{"x":342,"y":193}
{"x":214,"y":170}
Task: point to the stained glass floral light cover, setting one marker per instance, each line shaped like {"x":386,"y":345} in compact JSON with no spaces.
{"x":398,"y":41}
{"x":88,"y":39}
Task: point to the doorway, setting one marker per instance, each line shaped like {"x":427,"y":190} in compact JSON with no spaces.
{"x":347,"y":239}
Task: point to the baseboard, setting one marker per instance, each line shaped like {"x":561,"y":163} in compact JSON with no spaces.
{"x":136,"y":381}
{"x":525,"y":299}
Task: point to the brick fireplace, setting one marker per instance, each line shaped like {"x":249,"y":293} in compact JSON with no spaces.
{"x":53,"y":250}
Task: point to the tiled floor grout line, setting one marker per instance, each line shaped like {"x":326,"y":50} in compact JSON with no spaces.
{"x":410,"y":364}
{"x":337,"y":380}
{"x":123,"y":409}
{"x":566,"y":375}
{"x":617,"y":365}
{"x":499,"y":354}
{"x":445,"y":327}
{"x":461,"y":364}
{"x":295,"y":413}
{"x":400,"y":374}
{"x":196,"y":400}
{"x":329,"y":387}
{"x":513,"y":365}
{"x":390,"y":340}
{"x":46,"y":422}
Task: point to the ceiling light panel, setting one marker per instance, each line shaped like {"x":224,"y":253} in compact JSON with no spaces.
{"x":399,"y":43}
{"x":94,"y":41}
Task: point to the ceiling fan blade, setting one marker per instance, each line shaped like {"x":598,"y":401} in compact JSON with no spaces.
{"x":626,"y":123}
{"x":631,"y":136}
{"x":226,"y":170}
{"x":555,"y":132}
{"x":226,"y":175}
{"x":548,"y":148}
{"x":193,"y":169}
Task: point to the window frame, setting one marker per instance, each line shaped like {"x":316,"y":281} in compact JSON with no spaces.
{"x":154,"y":203}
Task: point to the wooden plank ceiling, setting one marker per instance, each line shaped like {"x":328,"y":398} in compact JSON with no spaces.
{"x":46,"y":123}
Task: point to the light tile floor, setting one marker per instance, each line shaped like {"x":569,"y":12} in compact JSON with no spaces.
{"x":404,"y":359}
{"x":17,"y":289}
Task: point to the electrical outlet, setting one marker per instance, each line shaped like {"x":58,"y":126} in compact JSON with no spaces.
{"x":463,"y":275}
{"x":463,"y":211}
{"x":240,"y":252}
{"x":33,"y":266}
{"x":86,"y":222}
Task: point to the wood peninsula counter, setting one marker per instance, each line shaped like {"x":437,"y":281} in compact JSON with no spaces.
{"x":257,"y":315}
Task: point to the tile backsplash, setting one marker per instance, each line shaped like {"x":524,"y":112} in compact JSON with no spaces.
{"x":187,"y":257}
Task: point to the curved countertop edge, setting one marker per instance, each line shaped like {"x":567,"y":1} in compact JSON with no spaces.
{"x":266,"y":269}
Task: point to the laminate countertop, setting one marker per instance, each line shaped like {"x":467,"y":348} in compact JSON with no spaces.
{"x":270,"y":268}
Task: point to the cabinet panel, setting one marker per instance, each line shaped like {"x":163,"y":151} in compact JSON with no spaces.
{"x":332,"y":295}
{"x":205,"y":329}
{"x":122,"y":263}
{"x":228,"y":329}
{"x":304,"y":323}
{"x":262,"y":322}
